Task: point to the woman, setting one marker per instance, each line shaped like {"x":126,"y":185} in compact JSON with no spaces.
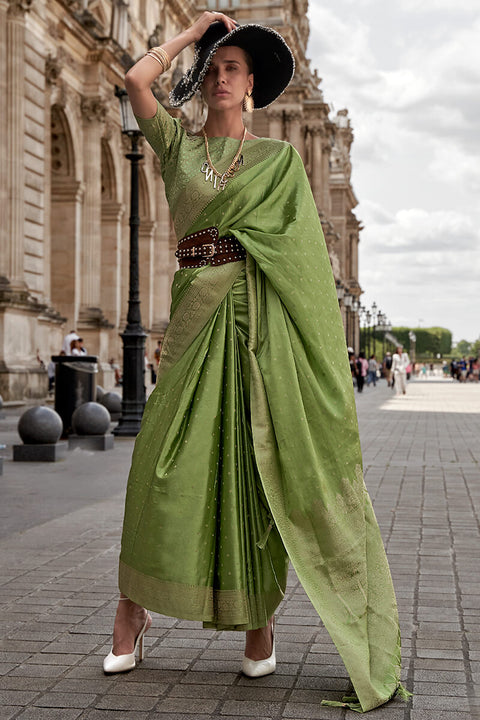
{"x":362,"y":370}
{"x":372,"y":371}
{"x":400,"y":363}
{"x":248,"y":454}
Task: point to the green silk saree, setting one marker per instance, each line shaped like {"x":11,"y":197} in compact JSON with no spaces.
{"x":249,"y":451}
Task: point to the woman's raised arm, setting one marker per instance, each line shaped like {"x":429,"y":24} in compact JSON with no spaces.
{"x":140,"y":77}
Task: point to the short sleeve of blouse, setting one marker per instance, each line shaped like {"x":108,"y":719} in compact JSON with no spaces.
{"x":163,"y":133}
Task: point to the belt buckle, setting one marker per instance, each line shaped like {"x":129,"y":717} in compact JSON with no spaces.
{"x":211,"y":250}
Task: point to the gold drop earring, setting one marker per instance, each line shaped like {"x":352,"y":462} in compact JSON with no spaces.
{"x":248,"y":104}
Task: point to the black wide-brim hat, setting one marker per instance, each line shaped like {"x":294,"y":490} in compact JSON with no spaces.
{"x":273,"y":62}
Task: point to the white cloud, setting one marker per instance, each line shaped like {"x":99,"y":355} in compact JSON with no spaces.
{"x":409,"y":73}
{"x":452,"y":165}
{"x":428,"y":6}
{"x":417,"y":231}
{"x":344,"y":45}
{"x":417,"y":264}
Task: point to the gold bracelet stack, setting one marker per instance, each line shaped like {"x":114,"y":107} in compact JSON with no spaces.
{"x":160,"y":55}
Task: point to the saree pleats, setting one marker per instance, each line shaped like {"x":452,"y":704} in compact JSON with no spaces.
{"x":195,"y":507}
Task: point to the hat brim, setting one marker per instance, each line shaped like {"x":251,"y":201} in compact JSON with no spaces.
{"x":273,"y":62}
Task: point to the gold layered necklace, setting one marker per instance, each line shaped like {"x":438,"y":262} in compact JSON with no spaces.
{"x":219,"y":179}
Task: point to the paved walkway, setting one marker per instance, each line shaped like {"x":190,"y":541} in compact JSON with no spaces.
{"x":58,"y":554}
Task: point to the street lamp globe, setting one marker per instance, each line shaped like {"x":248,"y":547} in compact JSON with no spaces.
{"x":129,"y":122}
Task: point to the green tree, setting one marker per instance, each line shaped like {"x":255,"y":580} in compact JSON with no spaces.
{"x":430,"y":342}
{"x":463,"y":347}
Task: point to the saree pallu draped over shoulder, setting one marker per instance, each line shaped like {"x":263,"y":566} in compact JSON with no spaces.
{"x":249,"y":449}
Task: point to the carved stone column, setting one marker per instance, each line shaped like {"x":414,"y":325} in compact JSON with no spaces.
{"x":52,"y":86}
{"x":93,"y":112}
{"x":275,"y":117}
{"x":112,"y":214}
{"x":91,"y":321}
{"x":325,"y":181}
{"x":354,"y":256}
{"x":66,"y":198}
{"x":294,"y":118}
{"x":316,"y":179}
{"x":12,"y":22}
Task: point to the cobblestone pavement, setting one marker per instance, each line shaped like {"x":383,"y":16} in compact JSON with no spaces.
{"x":58,"y":560}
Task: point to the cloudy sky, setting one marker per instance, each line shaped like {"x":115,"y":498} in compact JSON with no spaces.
{"x":409,"y":74}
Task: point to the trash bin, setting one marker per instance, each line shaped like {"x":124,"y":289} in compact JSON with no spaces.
{"x":75,"y":384}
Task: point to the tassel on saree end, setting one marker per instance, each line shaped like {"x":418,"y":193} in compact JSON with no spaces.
{"x":261,"y":544}
{"x":348,"y":701}
{"x":352,"y":703}
{"x":403,"y":693}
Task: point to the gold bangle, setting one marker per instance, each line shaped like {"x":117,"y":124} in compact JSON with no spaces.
{"x":152,"y":55}
{"x":159,"y":59}
{"x":161,"y":56}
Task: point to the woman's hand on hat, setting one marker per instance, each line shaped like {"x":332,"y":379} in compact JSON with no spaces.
{"x":201,"y":25}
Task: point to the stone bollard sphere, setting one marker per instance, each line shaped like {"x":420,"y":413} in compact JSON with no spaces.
{"x":91,"y":418}
{"x":112,"y":401}
{"x":40,"y":426}
{"x":99,"y":393}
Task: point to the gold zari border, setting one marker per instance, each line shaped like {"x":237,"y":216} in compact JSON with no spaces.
{"x":221,"y":609}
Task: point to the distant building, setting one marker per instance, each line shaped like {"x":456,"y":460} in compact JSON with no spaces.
{"x":65,"y":183}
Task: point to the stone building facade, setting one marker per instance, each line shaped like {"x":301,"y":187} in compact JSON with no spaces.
{"x":65,"y":182}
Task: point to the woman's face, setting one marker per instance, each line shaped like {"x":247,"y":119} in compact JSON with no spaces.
{"x":227,"y":79}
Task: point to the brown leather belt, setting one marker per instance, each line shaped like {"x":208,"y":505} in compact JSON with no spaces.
{"x":205,"y":247}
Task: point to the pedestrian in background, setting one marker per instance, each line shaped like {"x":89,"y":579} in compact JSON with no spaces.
{"x":353,"y":366}
{"x":400,"y":362}
{"x":75,"y":347}
{"x":372,"y":371}
{"x":387,"y":368}
{"x":362,"y":370}
{"x":67,"y":342}
{"x":157,"y":353}
{"x":51,"y":375}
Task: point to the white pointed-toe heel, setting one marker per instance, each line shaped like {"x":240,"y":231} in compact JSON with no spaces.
{"x":259,"y":668}
{"x":124,"y":663}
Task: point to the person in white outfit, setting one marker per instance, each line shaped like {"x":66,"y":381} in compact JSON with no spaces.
{"x":67,"y":342}
{"x":400,"y":362}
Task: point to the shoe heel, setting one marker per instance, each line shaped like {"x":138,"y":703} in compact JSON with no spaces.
{"x":124,"y":663}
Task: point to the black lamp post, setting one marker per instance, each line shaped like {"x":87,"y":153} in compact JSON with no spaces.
{"x":374,"y":320}
{"x":133,"y":337}
{"x":368,"y":316}
{"x":361,"y":318}
{"x":381,"y":328}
